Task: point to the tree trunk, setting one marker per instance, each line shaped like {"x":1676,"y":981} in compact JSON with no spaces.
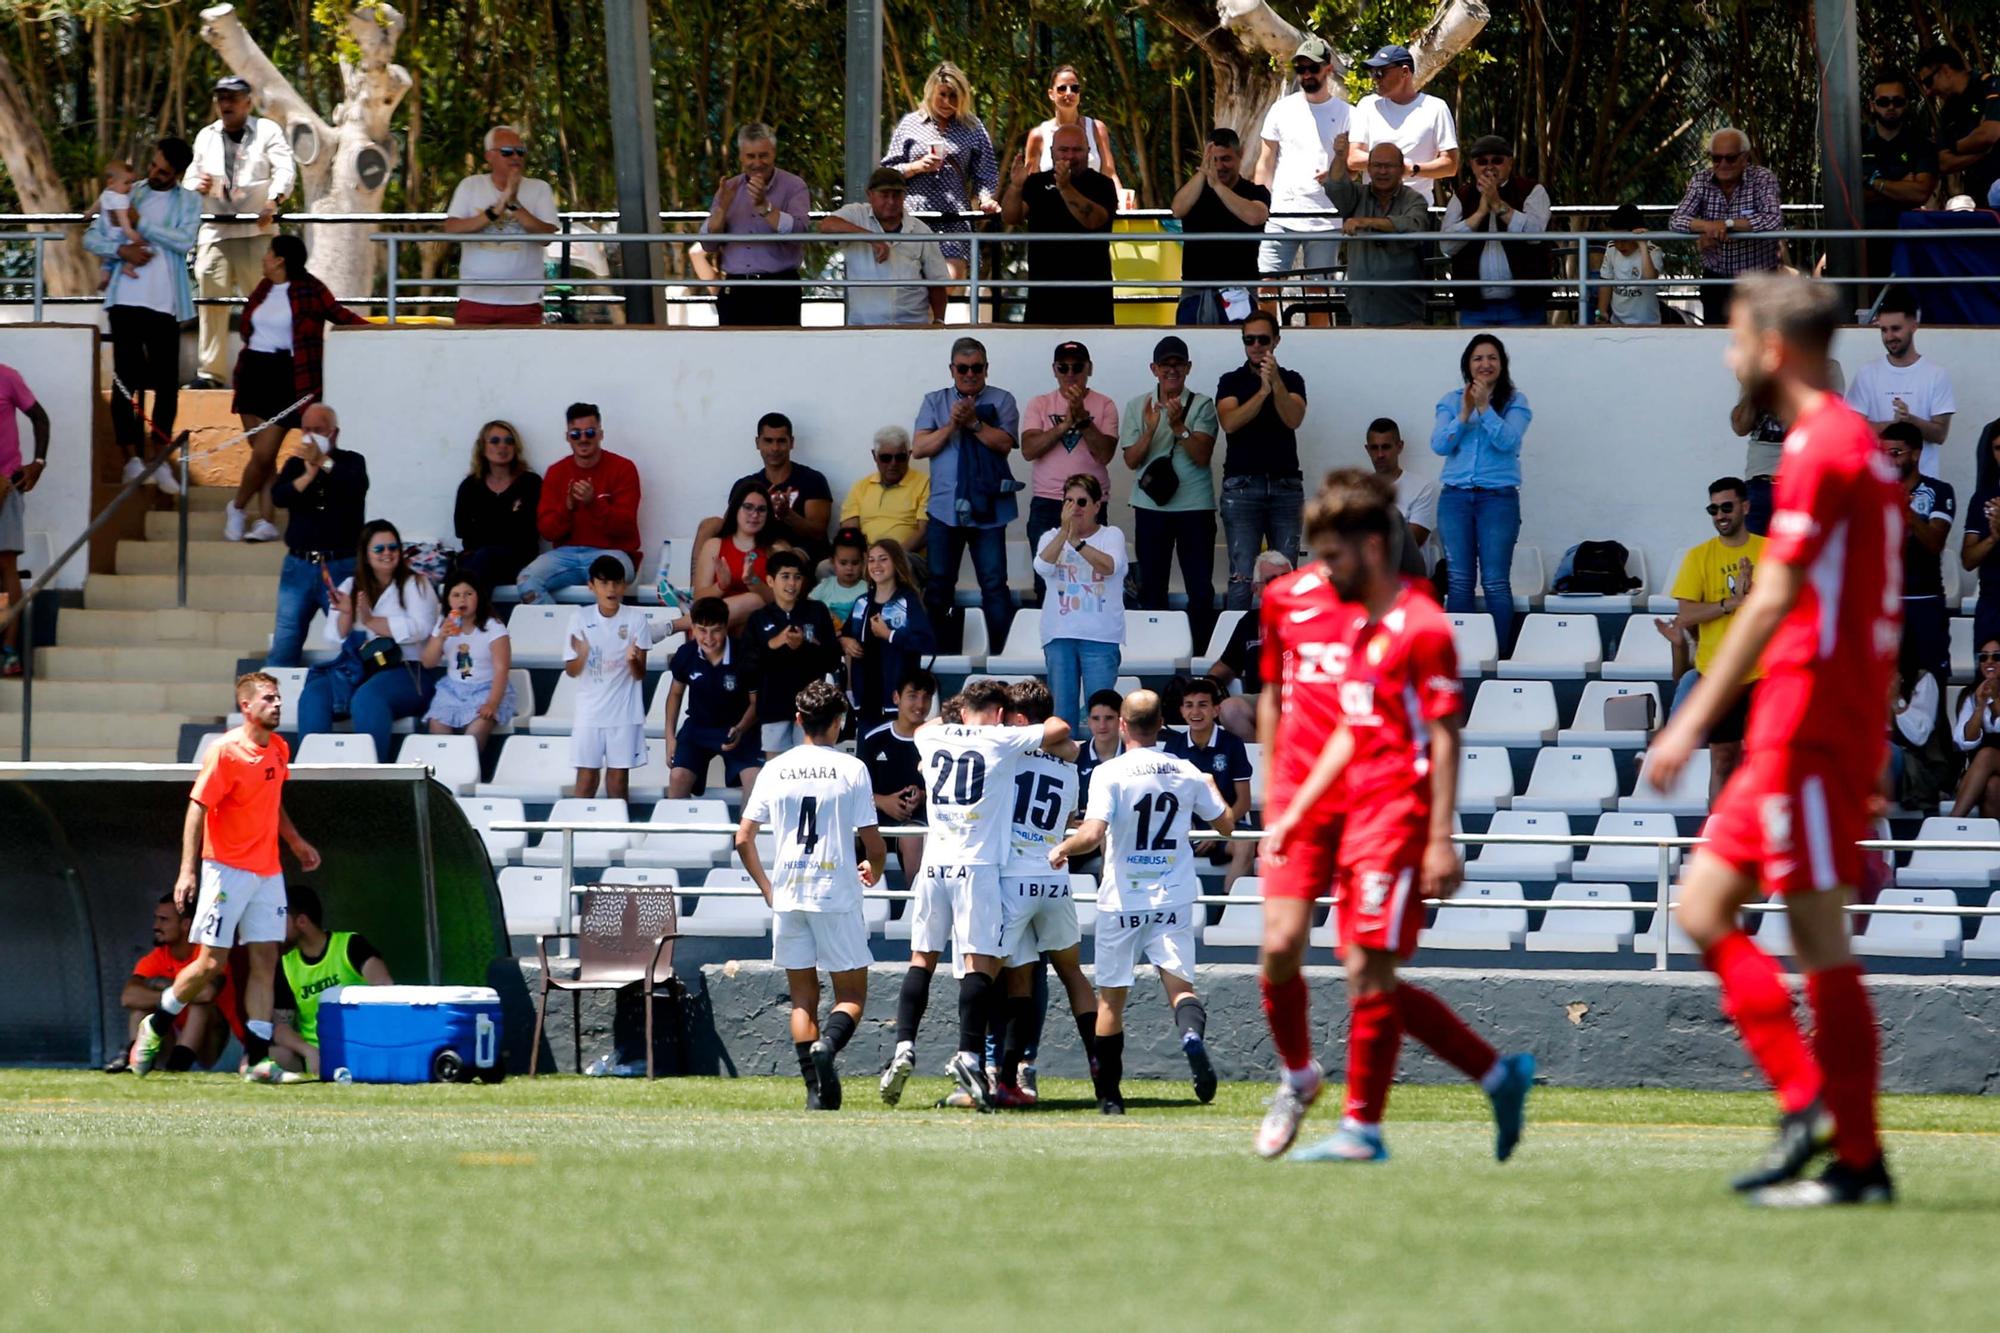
{"x":67,"y":270}
{"x":344,"y":162}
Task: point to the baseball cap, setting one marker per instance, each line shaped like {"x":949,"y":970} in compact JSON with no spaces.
{"x":1072,"y":348}
{"x":232,"y":83}
{"x":1390,"y":55}
{"x":887,"y":178}
{"x":1170,"y":348}
{"x":1314,"y":49}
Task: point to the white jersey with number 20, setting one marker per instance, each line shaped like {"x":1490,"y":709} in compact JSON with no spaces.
{"x":968,"y":775}
{"x":813,"y":798}
{"x":1149,"y":800}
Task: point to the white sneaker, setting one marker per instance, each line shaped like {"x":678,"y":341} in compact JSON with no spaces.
{"x":263,"y":530}
{"x":133,"y":467}
{"x":167,"y":479}
{"x":232,"y":523}
{"x":1288,"y":1107}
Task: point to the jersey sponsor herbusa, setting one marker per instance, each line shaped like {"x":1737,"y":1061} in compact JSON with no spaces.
{"x":1149,"y":800}
{"x":1044,"y":798}
{"x":968,"y":777}
{"x":813,"y":798}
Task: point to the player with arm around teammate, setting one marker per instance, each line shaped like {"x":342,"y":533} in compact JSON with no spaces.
{"x":1142,"y":806}
{"x":818,"y":799}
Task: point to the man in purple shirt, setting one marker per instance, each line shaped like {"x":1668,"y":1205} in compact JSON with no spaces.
{"x":762,"y":199}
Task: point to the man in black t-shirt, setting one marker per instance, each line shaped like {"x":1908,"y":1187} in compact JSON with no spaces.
{"x":1218,"y":199}
{"x":1069,"y":197}
{"x":894,"y":772}
{"x":1899,"y":165}
{"x":1260,"y":405}
{"x":1926,"y":531}
{"x":801,"y":500}
{"x":1968,"y":115}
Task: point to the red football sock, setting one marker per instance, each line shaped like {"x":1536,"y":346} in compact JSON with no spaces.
{"x":1846,"y":1042}
{"x":1432,"y":1022}
{"x":1374,"y":1037}
{"x":1755,"y":998}
{"x":1287,"y":1007}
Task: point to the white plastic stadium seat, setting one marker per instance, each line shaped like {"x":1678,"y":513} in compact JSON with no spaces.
{"x":1528,"y":577}
{"x":1539,"y":861}
{"x":685,"y":851}
{"x":1952,"y":870}
{"x":453,"y":760}
{"x":591,"y":849}
{"x":330,"y":747}
{"x":1242,"y":924}
{"x":1572,"y":930}
{"x":1218,"y":639}
{"x":1985,"y":943}
{"x":1574,"y":781}
{"x":1081,"y":887}
{"x":1126,"y":684}
{"x":531,"y":900}
{"x":533,"y":768}
{"x":1661,"y":602}
{"x":1478,"y":646}
{"x":537,"y":634}
{"x":481,"y":812}
{"x":1959,"y":636}
{"x":656,"y":711}
{"x":1605,"y":603}
{"x":1552,"y":647}
{"x":976,"y":650}
{"x":1689,"y":797}
{"x":641,"y":878}
{"x":1022,"y":655}
{"x":206,"y":743}
{"x":1642,"y":654}
{"x":1923,"y":936}
{"x":1628,"y":865}
{"x":1588,"y":726}
{"x":1512,"y":712}
{"x":1479,"y":927}
{"x":1157,"y":643}
{"x":1648,"y":942}
{"x":732,"y":916}
{"x":1485,"y":780}
{"x":558,"y":717}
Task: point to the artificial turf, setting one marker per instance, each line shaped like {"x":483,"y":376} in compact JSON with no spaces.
{"x":185,"y":1201}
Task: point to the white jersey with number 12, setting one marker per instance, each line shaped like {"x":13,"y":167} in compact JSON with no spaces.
{"x":1149,"y":800}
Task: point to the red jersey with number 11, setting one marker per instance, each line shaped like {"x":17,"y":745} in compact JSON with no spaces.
{"x":1305,"y":649}
{"x":1401,"y":675}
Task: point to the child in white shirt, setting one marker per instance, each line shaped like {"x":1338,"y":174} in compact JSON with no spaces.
{"x":845,"y":586}
{"x":1628,"y":262}
{"x":607,"y":655}
{"x":114,"y":205}
{"x":475,"y":694}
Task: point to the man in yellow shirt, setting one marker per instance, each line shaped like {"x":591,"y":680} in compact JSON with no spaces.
{"x":892,"y":502}
{"x":1714,"y":579}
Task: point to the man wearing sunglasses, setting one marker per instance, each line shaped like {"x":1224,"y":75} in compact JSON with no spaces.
{"x":1713,"y":580}
{"x":1260,"y":405}
{"x":504,"y":201}
{"x":1302,"y":135}
{"x":1069,"y":430}
{"x":1731,"y":197}
{"x":242,"y":164}
{"x":1500,"y":202}
{"x":966,"y":431}
{"x":1899,"y":165}
{"x":1398,"y":113}
{"x":1968,"y":114}
{"x":589,"y":508}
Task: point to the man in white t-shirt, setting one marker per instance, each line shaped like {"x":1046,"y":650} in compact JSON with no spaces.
{"x":505,"y":201}
{"x":606,"y":652}
{"x":1142,"y":807}
{"x":1416,"y":497}
{"x":1905,"y":385}
{"x":881,"y":217}
{"x":818,"y":800}
{"x":1396,"y":112}
{"x":1302,"y":133}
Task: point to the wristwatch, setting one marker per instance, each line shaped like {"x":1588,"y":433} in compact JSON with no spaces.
{"x":491,"y":214}
{"x":1185,"y":434}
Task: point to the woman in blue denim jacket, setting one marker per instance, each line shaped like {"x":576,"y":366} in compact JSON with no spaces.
{"x":1479,"y":430}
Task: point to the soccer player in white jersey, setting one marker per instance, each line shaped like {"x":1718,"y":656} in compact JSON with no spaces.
{"x":1037,"y":914}
{"x":1146,"y":801}
{"x":968,"y":770}
{"x":819,"y":799}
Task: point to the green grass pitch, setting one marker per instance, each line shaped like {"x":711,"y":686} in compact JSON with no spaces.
{"x":196,"y":1201}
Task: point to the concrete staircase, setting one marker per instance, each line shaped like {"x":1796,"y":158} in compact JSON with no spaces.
{"x":130,"y":668}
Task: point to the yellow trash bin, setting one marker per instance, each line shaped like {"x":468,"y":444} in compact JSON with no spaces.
{"x":1141,"y":260}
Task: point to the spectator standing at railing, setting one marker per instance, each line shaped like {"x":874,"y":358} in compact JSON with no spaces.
{"x":1501,"y":202}
{"x":1167,"y":436}
{"x":1979,"y":552}
{"x":507,"y":202}
{"x":1731,"y":196}
{"x":589,"y":507}
{"x":1905,"y":387}
{"x":1384,"y":205}
{"x":967,"y":430}
{"x":1069,"y":197}
{"x":494,"y":512}
{"x":1898,"y":165}
{"x":1066,"y":96}
{"x":1069,"y":430}
{"x":1968,"y":115}
{"x":242,"y":164}
{"x":880,"y":217}
{"x":1628,"y":262}
{"x":762,"y":199}
{"x":1931,"y":510}
{"x":326,"y":489}
{"x":1217,"y":276}
{"x":146,"y":308}
{"x":1478,"y":432}
{"x":16,"y":480}
{"x":1397,"y":112}
{"x":1303,"y":134}
{"x":1260,"y":406}
{"x":946,"y":155}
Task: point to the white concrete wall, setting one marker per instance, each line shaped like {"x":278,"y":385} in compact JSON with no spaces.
{"x":56,"y":360}
{"x":1630,"y":425}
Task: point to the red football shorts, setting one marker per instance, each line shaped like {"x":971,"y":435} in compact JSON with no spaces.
{"x":1378,"y":897}
{"x":1791,"y":818}
{"x":1307,"y":871}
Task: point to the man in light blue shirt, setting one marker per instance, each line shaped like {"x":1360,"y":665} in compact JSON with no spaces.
{"x":967,"y":431}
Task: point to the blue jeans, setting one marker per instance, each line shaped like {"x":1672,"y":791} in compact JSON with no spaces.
{"x":989,"y":561}
{"x":1522,"y":311}
{"x":1071,"y":661}
{"x":399,"y":691}
{"x":1759,"y":519}
{"x":564,"y":567}
{"x":301,"y":594}
{"x":1480,"y":528}
{"x":1259,"y":511}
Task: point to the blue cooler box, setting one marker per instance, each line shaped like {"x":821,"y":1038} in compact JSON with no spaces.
{"x":411,"y":1034}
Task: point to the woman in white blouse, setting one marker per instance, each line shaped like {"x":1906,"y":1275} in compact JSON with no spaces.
{"x":1977,"y":731}
{"x":385,"y":599}
{"x":1083,"y":619}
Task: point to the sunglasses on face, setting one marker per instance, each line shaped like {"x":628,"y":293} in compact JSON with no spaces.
{"x":892,"y":458}
{"x":511,"y":152}
{"x":1256,"y":340}
{"x":969,"y":368}
{"x":1987,"y":657}
{"x":1069,"y":87}
{"x":500,"y":439}
{"x":1081,"y":501}
{"x":1726,"y":507}
{"x":1924,"y":80}
{"x":1069,"y":367}
{"x":586,"y":433}
{"x":1892,"y":101}
{"x":1305,"y":69}
{"x":1492,"y":160}
{"x":384,"y":548}
{"x":1725,"y":157}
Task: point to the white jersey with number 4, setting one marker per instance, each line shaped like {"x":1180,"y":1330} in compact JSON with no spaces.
{"x":968,"y":775}
{"x":1044,"y":798}
{"x":813,"y":798}
{"x":1149,"y":800}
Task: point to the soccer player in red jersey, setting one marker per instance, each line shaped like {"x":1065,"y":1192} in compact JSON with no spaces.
{"x":1824,"y":619}
{"x":1367,"y":727}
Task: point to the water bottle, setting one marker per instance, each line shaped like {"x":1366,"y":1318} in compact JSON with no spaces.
{"x":343,"y":1075}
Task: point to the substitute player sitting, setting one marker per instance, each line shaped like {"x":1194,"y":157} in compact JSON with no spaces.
{"x":1823,"y":618}
{"x":316,"y":961}
{"x":819,"y":800}
{"x":1391,"y":765}
{"x":202,"y":1029}
{"x":1142,"y":806}
{"x":229,"y":851}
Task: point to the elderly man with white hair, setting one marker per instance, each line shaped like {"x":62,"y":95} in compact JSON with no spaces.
{"x":1242,"y":658}
{"x":325,"y":486}
{"x":761,"y":199}
{"x":504,"y":201}
{"x":1730,"y":198}
{"x":891,"y":501}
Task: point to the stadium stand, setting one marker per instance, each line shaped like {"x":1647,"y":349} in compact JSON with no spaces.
{"x":1689,"y":797}
{"x":454,"y":760}
{"x":532,"y":900}
{"x":1573,"y":781}
{"x":485,"y":811}
{"x":1485,"y":780}
{"x":1630,"y":865}
{"x":1513,"y":713}
{"x":1522,"y":861}
{"x":1578,"y":931}
{"x":1555,"y":647}
{"x":1478,"y":647}
{"x":1927,"y":936}
{"x":590,"y":849}
{"x":1985,"y":943}
{"x":1488,"y":928}
{"x":1157,"y":643}
{"x":726,"y":915}
{"x":1929,"y":869}
{"x":683,"y":851}
{"x":1641,"y":655}
{"x":1589,"y":726}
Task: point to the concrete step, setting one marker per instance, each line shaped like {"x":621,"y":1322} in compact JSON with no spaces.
{"x":199,"y":701}
{"x":204,"y":525}
{"x":183,"y":663}
{"x":209,"y":557}
{"x":247,"y":630}
{"x":211,"y":499}
{"x":47,"y":753}
{"x":122,"y":732}
{"x":206,"y":592}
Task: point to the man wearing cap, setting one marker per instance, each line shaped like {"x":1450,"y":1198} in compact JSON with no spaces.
{"x":1396,"y":112}
{"x":1069,"y":430}
{"x":1382,"y":203}
{"x":1168,"y":441}
{"x":242,"y":164}
{"x":1499,"y":201}
{"x":881,"y":215}
{"x":1303,"y":134}
{"x":1068,"y":197}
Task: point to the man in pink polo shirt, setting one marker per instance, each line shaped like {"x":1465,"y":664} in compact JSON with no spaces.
{"x":1069,"y":430}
